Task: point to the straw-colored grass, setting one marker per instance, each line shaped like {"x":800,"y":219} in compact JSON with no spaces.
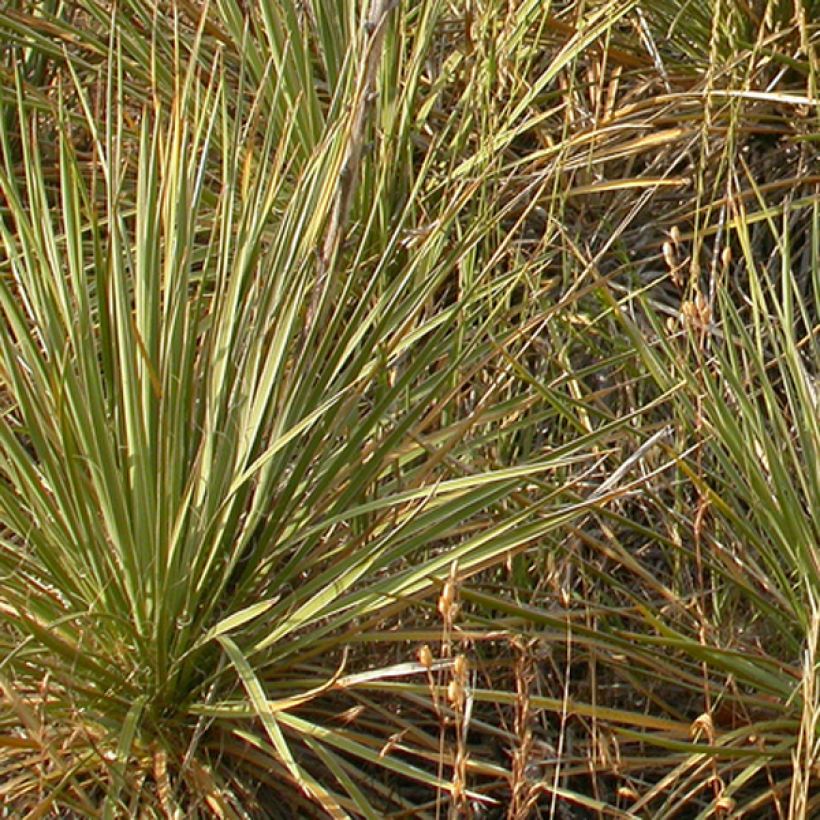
{"x":409,"y":409}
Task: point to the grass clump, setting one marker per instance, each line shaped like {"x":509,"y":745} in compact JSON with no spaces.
{"x":410,"y":410}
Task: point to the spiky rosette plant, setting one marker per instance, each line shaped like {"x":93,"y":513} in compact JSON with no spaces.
{"x":231,"y":451}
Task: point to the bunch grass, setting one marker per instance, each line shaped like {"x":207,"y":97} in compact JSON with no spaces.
{"x":409,"y":411}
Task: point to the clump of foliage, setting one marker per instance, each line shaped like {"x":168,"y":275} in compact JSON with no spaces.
{"x":409,"y":409}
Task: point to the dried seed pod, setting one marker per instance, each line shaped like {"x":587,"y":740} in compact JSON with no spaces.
{"x":669,"y":256}
{"x":703,"y":724}
{"x":447,"y":599}
{"x":460,"y":667}
{"x":703,"y":308}
{"x":697,"y":313}
{"x":425,"y":656}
